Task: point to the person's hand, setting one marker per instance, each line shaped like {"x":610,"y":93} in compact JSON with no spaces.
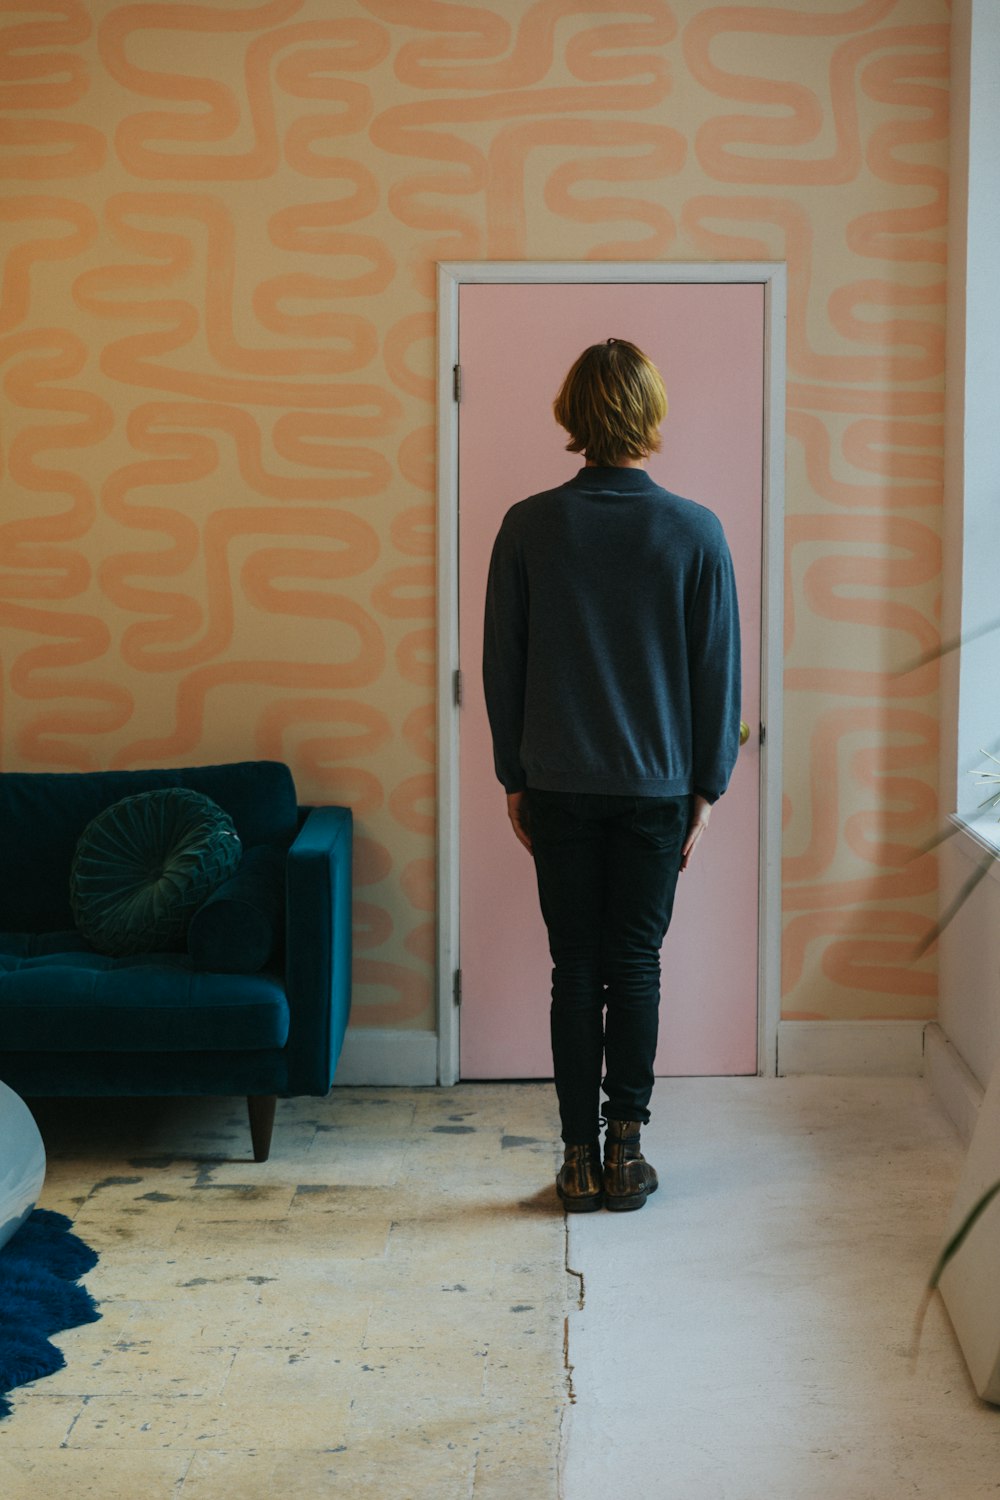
{"x":700,"y":813}
{"x":517,"y":812}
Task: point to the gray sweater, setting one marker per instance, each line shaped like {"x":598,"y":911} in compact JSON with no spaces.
{"x":611,"y":657}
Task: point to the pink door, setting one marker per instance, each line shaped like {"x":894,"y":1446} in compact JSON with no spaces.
{"x":516,"y":343}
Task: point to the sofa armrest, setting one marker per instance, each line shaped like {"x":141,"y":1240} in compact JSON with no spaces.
{"x":318,"y":946}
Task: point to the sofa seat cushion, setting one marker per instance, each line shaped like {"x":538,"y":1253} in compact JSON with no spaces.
{"x":82,"y":1001}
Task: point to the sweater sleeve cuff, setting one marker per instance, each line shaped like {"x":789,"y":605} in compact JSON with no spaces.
{"x":700,"y":791}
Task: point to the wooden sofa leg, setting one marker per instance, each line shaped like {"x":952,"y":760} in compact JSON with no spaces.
{"x":261,"y":1108}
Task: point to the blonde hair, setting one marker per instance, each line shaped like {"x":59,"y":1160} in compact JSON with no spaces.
{"x":612,"y":403}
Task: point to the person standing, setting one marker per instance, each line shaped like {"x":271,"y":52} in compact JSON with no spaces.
{"x":611,"y":667}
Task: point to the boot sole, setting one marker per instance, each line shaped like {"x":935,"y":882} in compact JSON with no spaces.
{"x":628,"y":1201}
{"x":587,"y":1205}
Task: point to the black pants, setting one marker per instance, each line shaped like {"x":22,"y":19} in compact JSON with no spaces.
{"x":607,"y":870}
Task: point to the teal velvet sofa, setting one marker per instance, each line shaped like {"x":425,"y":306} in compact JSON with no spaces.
{"x":75,"y":1022}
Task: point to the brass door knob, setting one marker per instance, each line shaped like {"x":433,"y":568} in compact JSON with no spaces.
{"x":744,"y":731}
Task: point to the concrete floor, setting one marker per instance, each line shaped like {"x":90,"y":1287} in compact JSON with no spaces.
{"x":378,"y":1311}
{"x":383,"y":1309}
{"x":746,"y":1335}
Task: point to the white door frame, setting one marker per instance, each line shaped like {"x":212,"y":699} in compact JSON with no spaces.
{"x":772,"y":276}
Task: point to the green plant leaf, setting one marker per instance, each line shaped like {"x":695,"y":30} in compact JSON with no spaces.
{"x":980,"y":873}
{"x":949,"y":1251}
{"x":958,"y":1238}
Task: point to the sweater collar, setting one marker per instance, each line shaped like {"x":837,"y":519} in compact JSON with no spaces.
{"x":613,"y":480}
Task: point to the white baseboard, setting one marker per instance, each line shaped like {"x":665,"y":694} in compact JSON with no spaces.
{"x":383,"y":1058}
{"x":379,"y":1056}
{"x":956,"y":1087}
{"x":882,"y":1048}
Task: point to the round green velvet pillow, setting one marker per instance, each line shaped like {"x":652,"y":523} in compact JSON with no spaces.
{"x":145,"y":864}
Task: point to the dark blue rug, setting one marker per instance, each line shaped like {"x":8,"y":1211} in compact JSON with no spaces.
{"x":39,"y":1269}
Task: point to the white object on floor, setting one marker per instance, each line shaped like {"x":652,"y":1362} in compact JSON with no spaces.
{"x":22,"y":1162}
{"x":971,"y":1286}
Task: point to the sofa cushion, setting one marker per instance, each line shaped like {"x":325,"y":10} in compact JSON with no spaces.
{"x":239,"y":926}
{"x":43,"y":813}
{"x":145,"y":864}
{"x":89,"y":1002}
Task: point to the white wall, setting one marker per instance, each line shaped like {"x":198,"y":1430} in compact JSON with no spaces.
{"x":969,"y":1011}
{"x":976,"y":51}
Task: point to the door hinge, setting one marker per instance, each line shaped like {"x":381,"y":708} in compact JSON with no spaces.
{"x":459,"y":687}
{"x":457,"y":987}
{"x":456,"y":382}
{"x":763,"y":733}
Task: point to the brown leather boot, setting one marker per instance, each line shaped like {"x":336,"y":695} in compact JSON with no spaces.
{"x":578,"y":1182}
{"x":628,"y":1177}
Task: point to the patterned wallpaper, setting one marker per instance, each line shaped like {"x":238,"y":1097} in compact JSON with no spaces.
{"x":216,"y":337}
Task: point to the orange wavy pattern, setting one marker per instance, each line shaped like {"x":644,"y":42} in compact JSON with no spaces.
{"x":217,"y":353}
